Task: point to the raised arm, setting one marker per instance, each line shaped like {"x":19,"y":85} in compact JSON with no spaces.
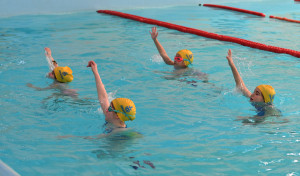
{"x":159,"y":47}
{"x":238,"y":79}
{"x":49,"y":55}
{"x":102,"y":95}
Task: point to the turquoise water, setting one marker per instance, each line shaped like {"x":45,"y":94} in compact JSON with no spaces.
{"x":186,"y":129}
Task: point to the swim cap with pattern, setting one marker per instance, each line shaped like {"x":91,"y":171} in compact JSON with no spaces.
{"x":125,"y":107}
{"x":187,"y":55}
{"x":63,"y":74}
{"x":268,"y":93}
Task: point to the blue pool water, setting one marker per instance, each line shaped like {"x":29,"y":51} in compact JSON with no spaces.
{"x":183,"y":128}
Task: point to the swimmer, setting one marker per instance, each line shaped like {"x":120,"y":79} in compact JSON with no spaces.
{"x":60,"y":74}
{"x":182,"y":59}
{"x":117,"y":111}
{"x":263,"y":96}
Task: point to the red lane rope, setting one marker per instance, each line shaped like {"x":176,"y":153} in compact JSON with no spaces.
{"x":285,"y":19}
{"x":235,"y":9}
{"x":204,"y":33}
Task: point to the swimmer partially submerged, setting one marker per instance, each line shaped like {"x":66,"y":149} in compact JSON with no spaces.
{"x":181,"y":62}
{"x":182,"y":59}
{"x":262,"y":97}
{"x":117,"y":111}
{"x":60,"y":74}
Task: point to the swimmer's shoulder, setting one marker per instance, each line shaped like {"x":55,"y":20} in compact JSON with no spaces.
{"x":272,"y":110}
{"x":123,"y":133}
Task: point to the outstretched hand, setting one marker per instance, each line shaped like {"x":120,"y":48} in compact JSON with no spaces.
{"x":154,"y":33}
{"x":48,"y":52}
{"x":229,"y":56}
{"x":93,"y":65}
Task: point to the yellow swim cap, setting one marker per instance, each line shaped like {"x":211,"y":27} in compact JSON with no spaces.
{"x":63,"y":74}
{"x":125,"y":107}
{"x":268,"y":92}
{"x":187,"y":55}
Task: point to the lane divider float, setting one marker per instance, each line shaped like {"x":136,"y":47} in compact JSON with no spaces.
{"x":198,"y":32}
{"x":235,"y":9}
{"x":285,"y":19}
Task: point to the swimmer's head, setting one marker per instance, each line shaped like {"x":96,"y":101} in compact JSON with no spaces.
{"x":268,"y":93}
{"x":124,"y":108}
{"x":183,"y":58}
{"x":63,"y":74}
{"x":263,"y":93}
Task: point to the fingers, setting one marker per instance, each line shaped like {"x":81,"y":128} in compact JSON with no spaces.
{"x":90,"y":64}
{"x":48,"y":50}
{"x":154,"y":31}
{"x":229,"y":54}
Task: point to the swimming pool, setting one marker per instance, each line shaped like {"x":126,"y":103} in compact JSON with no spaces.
{"x":186,"y":129}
